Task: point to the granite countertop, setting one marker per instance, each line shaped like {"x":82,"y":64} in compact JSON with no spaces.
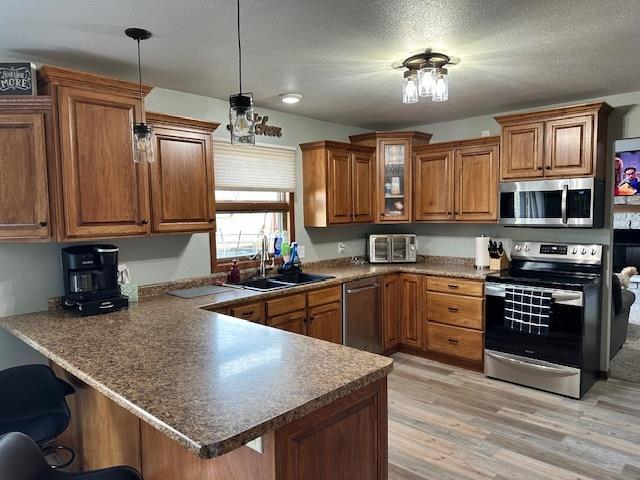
{"x":209,"y":381}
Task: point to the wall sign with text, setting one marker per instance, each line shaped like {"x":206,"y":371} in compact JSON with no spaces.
{"x":17,"y":79}
{"x":262,"y":128}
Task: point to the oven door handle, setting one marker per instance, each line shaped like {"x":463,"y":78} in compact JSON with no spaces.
{"x":547,"y":369}
{"x":559,"y":297}
{"x":565,"y":194}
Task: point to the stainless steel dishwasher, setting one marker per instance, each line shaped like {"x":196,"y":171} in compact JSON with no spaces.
{"x":362,"y":314}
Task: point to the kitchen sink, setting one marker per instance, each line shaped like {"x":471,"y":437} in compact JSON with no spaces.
{"x":300,"y":278}
{"x":263,"y":284}
{"x":286,"y":280}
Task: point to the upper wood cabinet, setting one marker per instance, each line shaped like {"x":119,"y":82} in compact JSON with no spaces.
{"x":457,"y":181}
{"x":393,"y":172}
{"x":182,"y":186}
{"x":99,"y":190}
{"x":561,"y":142}
{"x":24,"y":201}
{"x":338,"y":181}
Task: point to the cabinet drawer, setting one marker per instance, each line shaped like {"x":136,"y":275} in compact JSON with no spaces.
{"x":286,"y":304}
{"x":324,"y":296}
{"x":250,"y":311}
{"x":473,"y":288}
{"x":455,"y":310}
{"x":455,"y":341}
{"x":292,"y":321}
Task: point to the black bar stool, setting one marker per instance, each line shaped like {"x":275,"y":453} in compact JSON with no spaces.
{"x":21,"y":459}
{"x":32,"y":401}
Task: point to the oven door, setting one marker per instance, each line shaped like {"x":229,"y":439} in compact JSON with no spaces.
{"x":562,"y":345}
{"x":380,"y":249}
{"x":551,"y":203}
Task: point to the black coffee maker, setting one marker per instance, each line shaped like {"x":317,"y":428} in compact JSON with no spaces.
{"x":91,"y":279}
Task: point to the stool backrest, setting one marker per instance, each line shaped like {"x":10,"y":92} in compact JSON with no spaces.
{"x":21,"y":459}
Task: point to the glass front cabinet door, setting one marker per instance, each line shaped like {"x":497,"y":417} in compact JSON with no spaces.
{"x":394,"y":172}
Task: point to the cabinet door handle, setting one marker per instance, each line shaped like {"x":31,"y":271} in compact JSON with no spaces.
{"x":539,"y":167}
{"x":547,"y":167}
{"x":311,"y":318}
{"x":247,"y":314}
{"x":144,"y":221}
{"x":452,"y":309}
{"x":42,"y":224}
{"x":451,"y":285}
{"x":212,"y":220}
{"x":453,"y":341}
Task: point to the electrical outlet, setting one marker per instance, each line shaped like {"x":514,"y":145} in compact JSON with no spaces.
{"x":486,"y":133}
{"x":301,"y":251}
{"x":341,"y":247}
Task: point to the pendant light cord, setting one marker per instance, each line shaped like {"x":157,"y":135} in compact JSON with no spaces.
{"x":140,"y":75}
{"x":239,"y":50}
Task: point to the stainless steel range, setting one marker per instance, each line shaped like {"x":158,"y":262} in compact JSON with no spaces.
{"x":543,"y":318}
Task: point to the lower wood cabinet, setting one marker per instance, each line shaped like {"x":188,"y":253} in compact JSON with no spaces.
{"x":455,"y":341}
{"x":24,"y":193}
{"x":291,"y":322}
{"x":391,"y":309}
{"x":325,"y":322}
{"x":411,"y":309}
{"x":253,"y":312}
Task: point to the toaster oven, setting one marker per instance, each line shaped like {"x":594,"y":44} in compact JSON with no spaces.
{"x":392,"y":248}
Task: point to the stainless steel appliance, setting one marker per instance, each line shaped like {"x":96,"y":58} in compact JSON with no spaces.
{"x":91,"y":279}
{"x":564,"y":359}
{"x":392,"y":248}
{"x":575,"y":202}
{"x":362,"y":314}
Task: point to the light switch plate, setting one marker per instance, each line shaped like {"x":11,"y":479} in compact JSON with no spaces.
{"x":486,"y":133}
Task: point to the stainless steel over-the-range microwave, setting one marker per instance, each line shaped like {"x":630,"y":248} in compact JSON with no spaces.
{"x":392,"y":248}
{"x":569,"y":202}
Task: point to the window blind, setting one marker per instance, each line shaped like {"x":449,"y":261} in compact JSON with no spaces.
{"x":239,"y":167}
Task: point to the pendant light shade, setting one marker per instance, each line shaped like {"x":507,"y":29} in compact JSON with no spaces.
{"x":410,"y":87}
{"x":241,"y":116}
{"x":441,"y":85}
{"x":142,"y":133}
{"x":426,"y":79}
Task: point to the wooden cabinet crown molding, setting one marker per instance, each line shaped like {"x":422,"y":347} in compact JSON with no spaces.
{"x":19,"y":104}
{"x":418,"y":138}
{"x":48,"y":74}
{"x":331,"y":144}
{"x":551,"y":113}
{"x":450,"y":145}
{"x":156,"y":118}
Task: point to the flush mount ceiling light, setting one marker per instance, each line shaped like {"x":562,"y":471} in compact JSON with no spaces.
{"x":142,"y":132}
{"x":290,"y":97}
{"x":241,"y":117}
{"x":425,"y":76}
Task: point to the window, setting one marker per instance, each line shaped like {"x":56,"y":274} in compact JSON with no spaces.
{"x":252,"y":199}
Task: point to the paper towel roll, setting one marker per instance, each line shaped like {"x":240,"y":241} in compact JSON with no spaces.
{"x":482,"y":252}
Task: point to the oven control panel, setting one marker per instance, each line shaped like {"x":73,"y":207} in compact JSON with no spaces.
{"x":557,"y":252}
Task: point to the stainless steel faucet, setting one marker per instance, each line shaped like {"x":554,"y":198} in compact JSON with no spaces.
{"x":264,"y":257}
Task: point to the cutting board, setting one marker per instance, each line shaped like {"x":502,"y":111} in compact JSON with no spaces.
{"x":199,"y":291}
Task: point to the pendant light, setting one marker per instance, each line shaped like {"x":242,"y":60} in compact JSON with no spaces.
{"x":241,"y":117}
{"x":425,"y":76}
{"x":142,"y":132}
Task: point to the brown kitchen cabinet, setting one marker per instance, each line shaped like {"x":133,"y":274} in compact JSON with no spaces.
{"x":324,"y":314}
{"x":252,"y":312}
{"x":554,"y":143}
{"x":338,"y":181}
{"x":457,"y":181}
{"x":411,"y":309}
{"x":24,"y":149}
{"x":393,"y":172}
{"x":98,"y":190}
{"x":181,"y":177}
{"x":391,"y":311}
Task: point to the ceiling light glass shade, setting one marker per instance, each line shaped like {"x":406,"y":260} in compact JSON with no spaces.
{"x":410,"y":87}
{"x":142,"y":143}
{"x":441,"y":86}
{"x":426,"y":79}
{"x":291,"y":98}
{"x":241,"y":119}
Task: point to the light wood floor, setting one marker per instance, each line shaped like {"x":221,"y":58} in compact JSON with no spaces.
{"x":446,"y":423}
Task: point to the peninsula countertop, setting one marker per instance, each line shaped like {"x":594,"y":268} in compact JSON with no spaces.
{"x":209,"y":381}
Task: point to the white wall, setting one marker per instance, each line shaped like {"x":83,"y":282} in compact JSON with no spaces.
{"x":31,"y":273}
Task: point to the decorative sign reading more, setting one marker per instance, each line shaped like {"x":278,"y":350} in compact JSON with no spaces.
{"x":261,"y":127}
{"x":17,"y":79}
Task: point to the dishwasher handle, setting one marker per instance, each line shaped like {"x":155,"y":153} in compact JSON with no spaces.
{"x":368,"y":287}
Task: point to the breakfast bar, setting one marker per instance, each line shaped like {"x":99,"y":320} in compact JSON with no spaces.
{"x":178,"y":393}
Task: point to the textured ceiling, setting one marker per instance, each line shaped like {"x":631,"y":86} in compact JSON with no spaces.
{"x":338,"y":53}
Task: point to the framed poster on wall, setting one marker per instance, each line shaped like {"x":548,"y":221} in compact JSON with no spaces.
{"x":18,"y":79}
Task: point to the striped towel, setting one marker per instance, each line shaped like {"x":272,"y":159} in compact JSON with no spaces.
{"x":527,"y":310}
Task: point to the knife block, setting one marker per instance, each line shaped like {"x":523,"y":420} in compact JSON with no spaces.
{"x":501,"y":263}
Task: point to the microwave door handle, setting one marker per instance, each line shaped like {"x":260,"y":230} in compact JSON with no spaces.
{"x":565,"y":192}
{"x":389,"y":249}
